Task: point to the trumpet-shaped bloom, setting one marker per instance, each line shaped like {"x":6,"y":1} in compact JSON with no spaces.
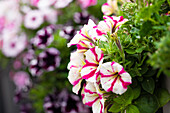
{"x":94,"y":97}
{"x":44,"y":37}
{"x":49,"y":59}
{"x":94,"y":59}
{"x":110,"y":7}
{"x":75,"y":65}
{"x":114,"y":78}
{"x":110,"y":24}
{"x":14,"y":45}
{"x":33,"y":19}
{"x":83,"y":34}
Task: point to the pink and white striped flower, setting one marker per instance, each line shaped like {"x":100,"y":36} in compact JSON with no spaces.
{"x":114,"y":78}
{"x":110,"y":7}
{"x":94,"y":59}
{"x":87,"y":3}
{"x":94,"y":97}
{"x":83,"y":34}
{"x":75,"y":65}
{"x":110,"y":24}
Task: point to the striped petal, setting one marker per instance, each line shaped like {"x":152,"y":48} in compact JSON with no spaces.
{"x":94,"y":58}
{"x":77,"y":60}
{"x":83,"y":46}
{"x":75,"y":66}
{"x":93,"y":98}
{"x":114,"y":78}
{"x":83,"y":34}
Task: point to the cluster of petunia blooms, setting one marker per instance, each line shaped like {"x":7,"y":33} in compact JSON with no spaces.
{"x":87,"y":70}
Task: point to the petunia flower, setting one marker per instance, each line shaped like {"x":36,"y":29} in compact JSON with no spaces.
{"x":110,"y":24}
{"x":110,"y":7}
{"x":82,"y":17}
{"x":49,"y":59}
{"x":44,"y":37}
{"x":33,"y":19}
{"x":94,"y":59}
{"x":75,"y":65}
{"x":35,"y":67}
{"x":21,"y":80}
{"x":12,"y":46}
{"x":83,"y":34}
{"x":93,"y":96}
{"x":114,"y":78}
{"x":87,"y":3}
{"x":67,"y":32}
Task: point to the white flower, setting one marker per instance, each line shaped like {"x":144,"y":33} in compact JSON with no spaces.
{"x":114,"y":78}
{"x":75,"y":65}
{"x":12,"y":46}
{"x":33,"y":19}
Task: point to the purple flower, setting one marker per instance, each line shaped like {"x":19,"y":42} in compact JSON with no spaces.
{"x":82,"y":17}
{"x":64,"y":103}
{"x":26,"y":108}
{"x":49,"y":59}
{"x":35,"y":68}
{"x":67,"y":32}
{"x":27,"y":57}
{"x":44,"y":37}
{"x":51,"y":105}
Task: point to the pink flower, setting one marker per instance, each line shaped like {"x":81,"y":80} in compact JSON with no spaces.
{"x":94,"y":97}
{"x":33,"y":19}
{"x":14,"y":45}
{"x":87,"y":3}
{"x":94,"y":59}
{"x":114,"y":78}
{"x":110,"y":7}
{"x":21,"y":80}
{"x":75,"y":65}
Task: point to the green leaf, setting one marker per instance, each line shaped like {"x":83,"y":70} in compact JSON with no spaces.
{"x":163,"y":96}
{"x":136,"y":92}
{"x":126,"y":98}
{"x":132,"y":109}
{"x":139,"y":50}
{"x":115,"y":108}
{"x":148,"y":85}
{"x":145,"y":29}
{"x":130,"y":51}
{"x":147,"y":103}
